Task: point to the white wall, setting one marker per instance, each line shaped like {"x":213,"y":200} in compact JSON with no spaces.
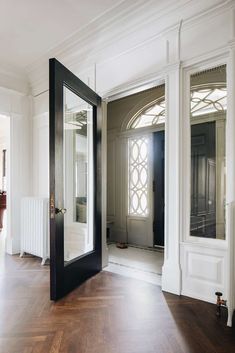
{"x":40,"y":146}
{"x":17,"y":107}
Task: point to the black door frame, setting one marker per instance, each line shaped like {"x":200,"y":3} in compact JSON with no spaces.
{"x":159,"y":188}
{"x":64,"y":278}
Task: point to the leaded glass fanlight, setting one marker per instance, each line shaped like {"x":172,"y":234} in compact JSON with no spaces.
{"x":152,"y":114}
{"x":205,"y":99}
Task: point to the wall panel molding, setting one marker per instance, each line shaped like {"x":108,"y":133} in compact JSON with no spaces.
{"x":204,"y":271}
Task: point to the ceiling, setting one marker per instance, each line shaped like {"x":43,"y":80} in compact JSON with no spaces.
{"x":29,"y":28}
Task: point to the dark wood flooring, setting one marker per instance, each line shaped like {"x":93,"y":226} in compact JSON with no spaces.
{"x":107,"y":314}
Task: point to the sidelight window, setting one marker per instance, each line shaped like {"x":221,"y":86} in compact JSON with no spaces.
{"x":138,"y":176}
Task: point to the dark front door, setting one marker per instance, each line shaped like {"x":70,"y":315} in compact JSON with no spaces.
{"x":159,"y":163}
{"x":203,"y":180}
{"x":75,"y":181}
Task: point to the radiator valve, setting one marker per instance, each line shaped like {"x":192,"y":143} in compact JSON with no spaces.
{"x":219,"y":303}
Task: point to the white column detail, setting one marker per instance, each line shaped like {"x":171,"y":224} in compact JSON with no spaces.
{"x":171,"y":272}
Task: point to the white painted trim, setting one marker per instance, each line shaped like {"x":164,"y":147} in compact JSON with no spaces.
{"x":171,"y":271}
{"x":192,"y":294}
{"x":136,"y":86}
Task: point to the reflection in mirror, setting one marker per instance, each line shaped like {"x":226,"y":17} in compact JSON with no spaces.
{"x":208,"y":121}
{"x":78,"y":176}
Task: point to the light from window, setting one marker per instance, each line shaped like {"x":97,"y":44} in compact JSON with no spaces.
{"x":138,"y":176}
{"x":208,"y":100}
{"x":152,"y":115}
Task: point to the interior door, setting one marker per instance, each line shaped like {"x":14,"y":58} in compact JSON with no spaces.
{"x":158,"y":174}
{"x":203,"y":180}
{"x":75,"y":181}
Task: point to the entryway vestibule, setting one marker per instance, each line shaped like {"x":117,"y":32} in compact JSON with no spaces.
{"x":135,"y":183}
{"x":133,"y":175}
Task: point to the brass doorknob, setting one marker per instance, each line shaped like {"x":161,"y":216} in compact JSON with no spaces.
{"x":60,"y":210}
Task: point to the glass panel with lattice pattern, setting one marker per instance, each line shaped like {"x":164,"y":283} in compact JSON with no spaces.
{"x":208,"y":100}
{"x":138,"y":176}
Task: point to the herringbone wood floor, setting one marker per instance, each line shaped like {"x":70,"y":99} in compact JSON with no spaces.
{"x":107,"y":314}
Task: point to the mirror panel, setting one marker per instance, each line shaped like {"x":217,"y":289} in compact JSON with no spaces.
{"x":208,"y":157}
{"x":78,"y":176}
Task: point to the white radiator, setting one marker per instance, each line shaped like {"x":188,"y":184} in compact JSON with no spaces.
{"x":35,"y":227}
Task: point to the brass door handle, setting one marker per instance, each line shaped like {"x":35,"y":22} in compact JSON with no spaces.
{"x":60,"y":210}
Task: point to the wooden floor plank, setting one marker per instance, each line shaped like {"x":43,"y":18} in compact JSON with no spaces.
{"x":107,"y":314}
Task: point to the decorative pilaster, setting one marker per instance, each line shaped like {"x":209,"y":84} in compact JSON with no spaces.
{"x":171,"y":276}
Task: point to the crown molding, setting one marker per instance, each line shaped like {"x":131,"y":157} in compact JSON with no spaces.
{"x":231,"y":44}
{"x":82,"y":37}
{"x":84,"y":48}
{"x":211,"y":12}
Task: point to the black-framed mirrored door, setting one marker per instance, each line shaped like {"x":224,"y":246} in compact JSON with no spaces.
{"x":75,"y":181}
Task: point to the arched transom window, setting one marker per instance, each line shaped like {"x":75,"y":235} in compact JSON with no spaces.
{"x":204,"y":100}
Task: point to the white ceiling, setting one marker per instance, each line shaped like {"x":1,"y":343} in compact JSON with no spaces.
{"x":29,"y":28}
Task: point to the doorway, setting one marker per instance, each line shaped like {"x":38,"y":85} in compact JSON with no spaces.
{"x":135,"y":184}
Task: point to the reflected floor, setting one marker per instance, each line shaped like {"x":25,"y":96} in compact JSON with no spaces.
{"x":134,"y":262}
{"x":71,"y":254}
